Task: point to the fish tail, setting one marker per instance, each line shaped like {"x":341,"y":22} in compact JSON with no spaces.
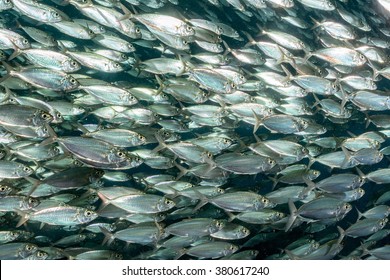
{"x":161,"y":144}
{"x":203,"y":201}
{"x":293,"y":215}
{"x":127,"y":12}
{"x":108,"y":236}
{"x":24,"y":217}
{"x":258,"y":122}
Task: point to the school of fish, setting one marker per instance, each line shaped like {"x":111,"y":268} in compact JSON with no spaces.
{"x":209,"y":129}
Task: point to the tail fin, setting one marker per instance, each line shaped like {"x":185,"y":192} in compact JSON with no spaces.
{"x":161,"y":144}
{"x":293,"y":215}
{"x":24,"y":216}
{"x":108,"y":236}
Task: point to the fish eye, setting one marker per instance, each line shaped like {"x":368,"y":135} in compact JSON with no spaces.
{"x":45,"y":116}
{"x":189,"y":28}
{"x":116,"y":65}
{"x":31,"y":200}
{"x":2,"y":188}
{"x":361,"y":57}
{"x":233,"y":85}
{"x":73,"y":63}
{"x":209,"y":154}
{"x":271,"y":161}
{"x":120,"y":154}
{"x":117,"y":256}
{"x":73,"y":80}
{"x":14,"y":233}
{"x":220,"y":190}
{"x":140,"y":137}
{"x":185,"y":42}
{"x":56,"y":14}
{"x":264,"y":200}
{"x":102,"y":29}
{"x":361,"y":191}
{"x":40,"y":254}
{"x":88,"y":213}
{"x":137,"y":30}
{"x":346,"y":206}
{"x":316,"y":172}
{"x":220,"y":29}
{"x":7,"y":1}
{"x":123,"y":56}
{"x":29,"y":248}
{"x":168,"y":202}
{"x":302,"y":43}
{"x":90,"y":32}
{"x":25,"y":41}
{"x":232,"y":247}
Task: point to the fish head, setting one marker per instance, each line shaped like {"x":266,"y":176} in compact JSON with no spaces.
{"x":230,"y":249}
{"x":6,"y":5}
{"x":165,"y":204}
{"x":342,"y":210}
{"x":288,"y":3}
{"x":54,"y":16}
{"x":69,"y":83}
{"x":27,"y":250}
{"x":216,"y":225}
{"x":86,"y":215}
{"x":70,"y":65}
{"x":23,"y":170}
{"x":5,"y":190}
{"x":242,"y":232}
{"x":186,"y":30}
{"x":22,"y":43}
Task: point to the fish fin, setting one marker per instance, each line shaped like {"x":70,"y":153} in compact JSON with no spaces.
{"x":307,"y":57}
{"x":8,"y":68}
{"x":53,"y":136}
{"x":342,"y":234}
{"x":251,"y":41}
{"x":127,"y":12}
{"x":316,"y":23}
{"x":16,"y":53}
{"x":288,"y":73}
{"x":183,"y":171}
{"x":203,"y":201}
{"x":230,"y":215}
{"x":360,"y":173}
{"x":108,"y":236}
{"x":25,"y":216}
{"x":274,"y":180}
{"x":375,"y":71}
{"x":360,"y":215}
{"x":228,"y":49}
{"x":161,"y":144}
{"x":105,"y":201}
{"x":293,"y":215}
{"x":258,"y":122}
{"x":291,"y":255}
{"x":36,"y":183}
{"x":161,"y":85}
{"x":181,"y":253}
{"x":310,"y":187}
{"x":41,"y":225}
{"x":348,"y":157}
